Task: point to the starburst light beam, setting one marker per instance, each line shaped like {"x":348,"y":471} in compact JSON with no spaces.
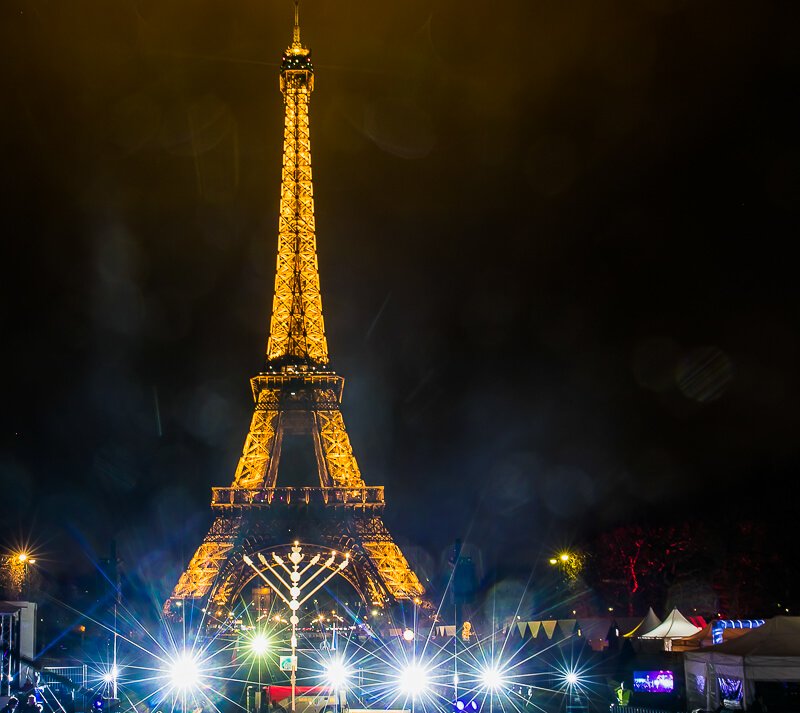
{"x":259,"y":644}
{"x":576,"y":678}
{"x":184,"y":673}
{"x":110,"y":676}
{"x":491,"y":678}
{"x":337,"y":674}
{"x":413,"y":680}
{"x":148,"y":671}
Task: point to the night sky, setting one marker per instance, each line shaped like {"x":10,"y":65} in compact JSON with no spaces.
{"x":554,"y":243}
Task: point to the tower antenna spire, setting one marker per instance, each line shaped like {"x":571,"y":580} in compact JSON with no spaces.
{"x":296,"y":32}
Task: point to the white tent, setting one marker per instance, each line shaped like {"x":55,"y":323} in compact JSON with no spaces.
{"x":729,"y":670}
{"x":675,"y":626}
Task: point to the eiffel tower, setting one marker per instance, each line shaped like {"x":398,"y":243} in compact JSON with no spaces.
{"x":297,"y":394}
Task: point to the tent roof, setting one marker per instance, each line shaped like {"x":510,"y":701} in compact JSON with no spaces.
{"x":674,"y":626}
{"x":779,"y":636}
{"x":626,"y":623}
{"x":650,"y":621}
{"x":704,"y":633}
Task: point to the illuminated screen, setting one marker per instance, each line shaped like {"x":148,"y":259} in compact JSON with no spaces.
{"x":653,"y":681}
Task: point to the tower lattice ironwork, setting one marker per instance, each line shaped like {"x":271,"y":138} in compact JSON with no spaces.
{"x":297,"y":393}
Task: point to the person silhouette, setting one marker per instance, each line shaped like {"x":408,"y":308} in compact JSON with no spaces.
{"x":11,"y":705}
{"x":32,"y":705}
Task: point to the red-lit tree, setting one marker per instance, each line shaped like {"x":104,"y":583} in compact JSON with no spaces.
{"x":712,"y":570}
{"x":635,"y":566}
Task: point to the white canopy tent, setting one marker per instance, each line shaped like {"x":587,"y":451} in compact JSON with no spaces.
{"x":675,"y":626}
{"x":728,"y":671}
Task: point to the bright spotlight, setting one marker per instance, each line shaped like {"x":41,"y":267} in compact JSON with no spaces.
{"x":337,"y":674}
{"x":259,"y":644}
{"x":571,"y":678}
{"x":408,"y":635}
{"x":491,"y":678}
{"x":110,"y":676}
{"x":413,"y":680}
{"x":184,"y":672}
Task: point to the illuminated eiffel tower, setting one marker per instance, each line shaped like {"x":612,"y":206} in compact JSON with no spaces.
{"x":296,"y":394}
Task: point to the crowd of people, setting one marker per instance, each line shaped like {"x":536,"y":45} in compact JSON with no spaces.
{"x":31,"y":705}
{"x":27,"y":692}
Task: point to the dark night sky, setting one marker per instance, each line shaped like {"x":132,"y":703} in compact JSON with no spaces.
{"x":553,"y":242}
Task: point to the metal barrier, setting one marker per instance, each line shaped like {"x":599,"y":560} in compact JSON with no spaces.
{"x":54,"y":677}
{"x":65,"y":684}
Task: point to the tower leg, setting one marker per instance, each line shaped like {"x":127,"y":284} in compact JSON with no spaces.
{"x":389,"y":561}
{"x":205,"y":565}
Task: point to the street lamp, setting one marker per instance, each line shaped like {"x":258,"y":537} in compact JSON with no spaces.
{"x":24,"y":560}
{"x":570,"y":563}
{"x":294,"y":588}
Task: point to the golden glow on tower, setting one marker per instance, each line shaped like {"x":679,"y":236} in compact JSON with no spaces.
{"x":297,"y":330}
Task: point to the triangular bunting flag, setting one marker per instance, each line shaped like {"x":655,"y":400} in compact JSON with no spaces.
{"x":549,"y":627}
{"x":566,"y":626}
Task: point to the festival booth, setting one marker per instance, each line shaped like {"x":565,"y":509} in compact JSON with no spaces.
{"x":675,"y":626}
{"x":726,"y":674}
